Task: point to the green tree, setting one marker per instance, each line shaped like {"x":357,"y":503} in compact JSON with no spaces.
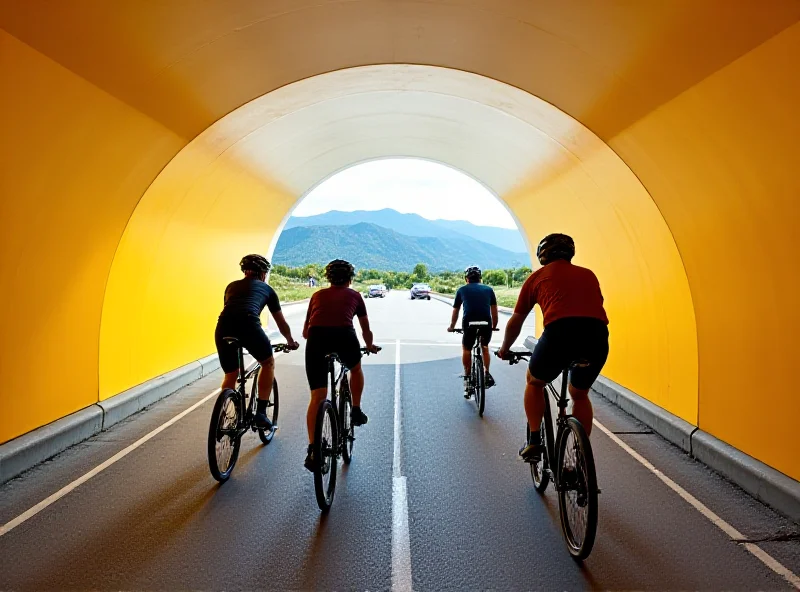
{"x":521,"y":273}
{"x":420,"y":272}
{"x":494,"y":277}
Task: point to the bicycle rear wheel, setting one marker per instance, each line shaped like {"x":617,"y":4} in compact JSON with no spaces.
{"x":345,"y":422}
{"x":325,"y":458}
{"x":539,"y":473}
{"x":223,"y":441}
{"x":577,"y":489}
{"x":478,"y":380}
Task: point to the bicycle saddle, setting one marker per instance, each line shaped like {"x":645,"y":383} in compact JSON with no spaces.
{"x":579,"y":363}
{"x":231,"y":340}
{"x":478,"y":324}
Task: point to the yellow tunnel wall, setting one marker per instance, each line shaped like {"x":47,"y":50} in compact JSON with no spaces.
{"x":721,"y":162}
{"x":180,"y":249}
{"x":75,"y":161}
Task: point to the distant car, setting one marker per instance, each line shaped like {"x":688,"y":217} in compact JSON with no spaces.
{"x":377,"y":291}
{"x":420,"y":291}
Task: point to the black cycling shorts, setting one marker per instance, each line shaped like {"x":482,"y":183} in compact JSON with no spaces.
{"x":567,"y":340}
{"x":322,"y":341}
{"x":251,"y":336}
{"x":471,"y":334}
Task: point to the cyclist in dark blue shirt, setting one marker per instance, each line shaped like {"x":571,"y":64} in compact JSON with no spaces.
{"x":480,"y":304}
{"x":241,"y":318}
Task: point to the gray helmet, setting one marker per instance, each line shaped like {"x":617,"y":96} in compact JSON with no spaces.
{"x":554,"y":247}
{"x":255,"y":263}
{"x":473,"y":272}
{"x":339,"y":272}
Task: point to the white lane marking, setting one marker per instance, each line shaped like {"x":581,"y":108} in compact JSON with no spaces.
{"x":50,"y":500}
{"x":9,"y":526}
{"x":755,"y":550}
{"x":401,"y":543}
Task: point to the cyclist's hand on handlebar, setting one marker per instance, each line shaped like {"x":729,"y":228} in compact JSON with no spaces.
{"x":292,"y":344}
{"x":451,"y":329}
{"x":501,"y":353}
{"x":373,"y":349}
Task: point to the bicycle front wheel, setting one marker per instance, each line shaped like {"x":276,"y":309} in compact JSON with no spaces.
{"x":577,"y":489}
{"x":539,"y":473}
{"x":346,"y":424}
{"x":223,"y":440}
{"x":478,"y":379}
{"x":326,"y":463}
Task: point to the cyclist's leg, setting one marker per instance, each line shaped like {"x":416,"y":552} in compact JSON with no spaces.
{"x":534,"y":401}
{"x":317,"y":374}
{"x":356,"y":384}
{"x":256,"y":342}
{"x":228,"y":355}
{"x":546,"y":363}
{"x":467,"y":343}
{"x":593,"y":347}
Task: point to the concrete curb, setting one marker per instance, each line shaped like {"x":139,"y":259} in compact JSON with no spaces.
{"x":764,"y":483}
{"x":28,"y":450}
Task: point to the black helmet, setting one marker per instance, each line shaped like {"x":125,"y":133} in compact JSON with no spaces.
{"x":255,"y":263}
{"x":555,"y":246}
{"x":339,"y":272}
{"x":473,"y":272}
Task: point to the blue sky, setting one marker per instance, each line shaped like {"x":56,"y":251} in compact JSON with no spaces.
{"x":409,"y":186}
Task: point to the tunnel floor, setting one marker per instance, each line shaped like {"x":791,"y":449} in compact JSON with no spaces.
{"x":157,"y":520}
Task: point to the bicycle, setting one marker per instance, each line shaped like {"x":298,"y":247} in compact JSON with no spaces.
{"x":575,"y":479}
{"x":477,"y":377}
{"x":334,"y":433}
{"x":233,"y":415}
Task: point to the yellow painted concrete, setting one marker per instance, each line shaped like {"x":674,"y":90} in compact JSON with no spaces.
{"x":698,"y":100}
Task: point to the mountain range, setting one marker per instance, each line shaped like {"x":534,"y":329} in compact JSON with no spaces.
{"x":370,"y":246}
{"x":416,"y":225}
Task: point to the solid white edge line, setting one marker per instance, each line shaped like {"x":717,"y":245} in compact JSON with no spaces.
{"x":754,"y":549}
{"x":51,"y":499}
{"x":401,"y":542}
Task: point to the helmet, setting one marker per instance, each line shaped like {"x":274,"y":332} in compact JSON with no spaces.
{"x":255,"y":263}
{"x":473,"y":272}
{"x":339,"y":272}
{"x":555,"y":246}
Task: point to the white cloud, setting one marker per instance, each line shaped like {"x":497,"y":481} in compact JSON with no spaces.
{"x":408,"y":185}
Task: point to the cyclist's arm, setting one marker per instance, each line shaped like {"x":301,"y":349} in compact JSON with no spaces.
{"x":494,"y":316}
{"x":454,"y":318}
{"x":513,"y":329}
{"x":365,"y":330}
{"x":283,"y":326}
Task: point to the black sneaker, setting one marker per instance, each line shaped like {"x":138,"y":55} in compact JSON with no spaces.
{"x":489,"y":381}
{"x":262,"y":422}
{"x":531,"y":453}
{"x":309,"y":463}
{"x":358,"y":417}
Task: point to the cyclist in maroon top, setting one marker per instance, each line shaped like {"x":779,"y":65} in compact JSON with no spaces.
{"x":575,"y":328}
{"x":329,"y":329}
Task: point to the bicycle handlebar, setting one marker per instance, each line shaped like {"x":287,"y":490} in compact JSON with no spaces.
{"x":462,"y":330}
{"x":282,"y":347}
{"x":364,"y":350}
{"x":514,"y":357}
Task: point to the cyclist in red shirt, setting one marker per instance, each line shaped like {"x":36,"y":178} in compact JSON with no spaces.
{"x":575,"y":328}
{"x":329,"y":329}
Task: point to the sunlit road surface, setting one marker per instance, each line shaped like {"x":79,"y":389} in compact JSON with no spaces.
{"x":435,"y":497}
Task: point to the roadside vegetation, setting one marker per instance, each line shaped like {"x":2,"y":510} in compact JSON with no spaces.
{"x":291,"y":283}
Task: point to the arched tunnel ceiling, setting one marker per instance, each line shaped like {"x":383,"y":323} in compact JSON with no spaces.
{"x":604,"y":63}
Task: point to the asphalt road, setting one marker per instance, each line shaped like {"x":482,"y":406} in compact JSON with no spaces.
{"x":156,"y":519}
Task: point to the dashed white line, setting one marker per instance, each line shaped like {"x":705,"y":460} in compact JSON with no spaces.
{"x":401,"y":543}
{"x":755,"y":550}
